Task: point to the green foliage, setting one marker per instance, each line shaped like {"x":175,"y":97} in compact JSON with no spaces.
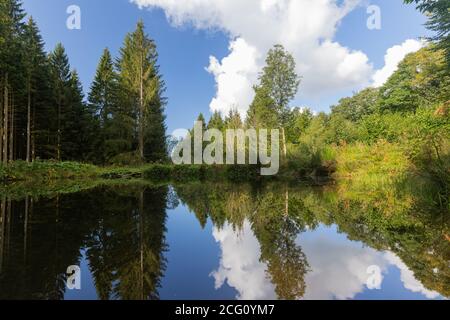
{"x":50,"y":118}
{"x":438,"y":14}
{"x":358,"y":106}
{"x":141,"y":88}
{"x":263,"y":111}
{"x":279,"y":77}
{"x":44,"y":170}
{"x":216,"y":121}
{"x":422,"y":79}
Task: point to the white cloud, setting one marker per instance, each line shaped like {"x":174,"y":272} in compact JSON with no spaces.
{"x":393,"y":57}
{"x":305,"y":27}
{"x":234,"y":77}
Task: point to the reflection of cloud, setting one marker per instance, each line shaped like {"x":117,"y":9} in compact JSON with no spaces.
{"x":338,"y":268}
{"x":407,"y":277}
{"x":240,"y":266}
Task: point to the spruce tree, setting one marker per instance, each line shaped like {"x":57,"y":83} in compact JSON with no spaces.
{"x":37,"y":85}
{"x":216,"y":121}
{"x":142,"y":87}
{"x":103,"y":106}
{"x":60,"y":70}
{"x":11,"y":22}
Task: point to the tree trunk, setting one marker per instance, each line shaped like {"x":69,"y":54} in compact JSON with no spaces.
{"x":283,"y":136}
{"x":29,"y":125}
{"x":11,"y":132}
{"x":5,"y":121}
{"x":1,"y":128}
{"x":58,"y":147}
{"x":33,"y":138}
{"x":2,"y":230}
{"x":141,"y":111}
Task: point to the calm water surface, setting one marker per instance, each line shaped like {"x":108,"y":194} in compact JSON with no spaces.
{"x":217,"y":241}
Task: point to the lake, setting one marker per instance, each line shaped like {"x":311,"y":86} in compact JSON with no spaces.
{"x":139,"y":240}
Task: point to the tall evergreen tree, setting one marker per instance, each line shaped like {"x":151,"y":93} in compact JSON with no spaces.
{"x":77,"y":125}
{"x":143,"y":87}
{"x":11,"y":29}
{"x":103,"y":104}
{"x":233,"y":120}
{"x":262,"y":112}
{"x":60,"y":70}
{"x":216,"y":121}
{"x":37,"y":77}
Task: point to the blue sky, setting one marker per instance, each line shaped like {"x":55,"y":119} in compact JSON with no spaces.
{"x":185,"y":48}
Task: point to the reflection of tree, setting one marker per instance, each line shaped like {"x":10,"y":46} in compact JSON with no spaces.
{"x":126,"y":250}
{"x":401,"y":221}
{"x":276,"y":220}
{"x":123,"y":229}
{"x":43,"y":239}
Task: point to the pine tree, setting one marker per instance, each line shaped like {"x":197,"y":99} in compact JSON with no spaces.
{"x":233,"y":120}
{"x":103,"y":105}
{"x":216,"y":121}
{"x":262,"y":111}
{"x":103,"y":89}
{"x":142,"y":88}
{"x":76,"y":126}
{"x":11,"y":16}
{"x":36,"y":78}
{"x":60,"y":70}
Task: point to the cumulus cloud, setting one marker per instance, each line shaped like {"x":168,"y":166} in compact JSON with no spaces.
{"x":393,"y":57}
{"x":306,"y":28}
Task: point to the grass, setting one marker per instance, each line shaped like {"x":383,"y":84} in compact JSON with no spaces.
{"x":21,"y":171}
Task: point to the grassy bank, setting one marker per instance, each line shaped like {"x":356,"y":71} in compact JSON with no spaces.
{"x":20,"y":171}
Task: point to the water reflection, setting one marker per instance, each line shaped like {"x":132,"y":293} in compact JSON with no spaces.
{"x":122,"y":230}
{"x":247,"y":242}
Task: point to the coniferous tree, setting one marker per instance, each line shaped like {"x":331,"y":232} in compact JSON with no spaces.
{"x":103,"y":104}
{"x":142,"y":89}
{"x":76,"y":142}
{"x":216,"y":121}
{"x":262,"y":112}
{"x":37,"y":82}
{"x":60,"y":71}
{"x":11,"y":29}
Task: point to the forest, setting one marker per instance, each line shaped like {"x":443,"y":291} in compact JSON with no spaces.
{"x":89,"y":179}
{"x":45,"y":115}
{"x":50,"y":129}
